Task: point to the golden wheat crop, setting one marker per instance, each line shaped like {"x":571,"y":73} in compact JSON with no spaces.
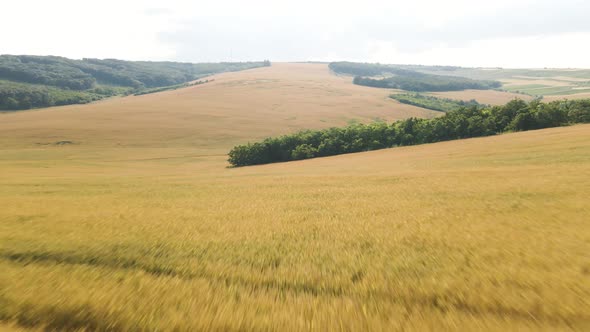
{"x":139,"y":225}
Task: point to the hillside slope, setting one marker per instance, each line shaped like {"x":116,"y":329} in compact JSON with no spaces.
{"x":137,"y":223}
{"x":479,"y":234}
{"x":234,"y":107}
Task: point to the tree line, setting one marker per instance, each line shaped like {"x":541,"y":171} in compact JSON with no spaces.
{"x":433,"y":103}
{"x":465,"y":122}
{"x":19,"y":96}
{"x":85,"y":80}
{"x":426,"y":83}
{"x":405,"y":79}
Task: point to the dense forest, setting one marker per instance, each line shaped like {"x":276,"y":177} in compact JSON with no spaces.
{"x":18,"y":96}
{"x":364,"y":69}
{"x":404,"y":79}
{"x":433,"y":103}
{"x":37,"y":81}
{"x":465,"y":122}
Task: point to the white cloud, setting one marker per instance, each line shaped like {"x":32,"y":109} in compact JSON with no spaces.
{"x":526,"y":33}
{"x":561,"y":50}
{"x":76,"y":29}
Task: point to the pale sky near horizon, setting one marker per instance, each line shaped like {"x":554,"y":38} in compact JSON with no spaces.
{"x":500,"y":33}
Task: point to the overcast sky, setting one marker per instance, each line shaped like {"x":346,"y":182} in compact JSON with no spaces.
{"x":505,"y":33}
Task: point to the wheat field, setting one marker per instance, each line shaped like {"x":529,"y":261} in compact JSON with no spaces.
{"x":583,"y":95}
{"x":138,"y":224}
{"x":234,"y":107}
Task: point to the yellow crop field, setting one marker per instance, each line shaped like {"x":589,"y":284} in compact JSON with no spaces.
{"x":123,"y":215}
{"x":584,"y":95}
{"x":235,"y":106}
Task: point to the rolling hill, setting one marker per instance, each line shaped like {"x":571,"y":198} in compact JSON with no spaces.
{"x":122,"y":214}
{"x":28,"y":81}
{"x":233,"y":107}
{"x":473,"y":83}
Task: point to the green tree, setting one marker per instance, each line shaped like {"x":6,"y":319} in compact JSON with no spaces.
{"x":304,"y":151}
